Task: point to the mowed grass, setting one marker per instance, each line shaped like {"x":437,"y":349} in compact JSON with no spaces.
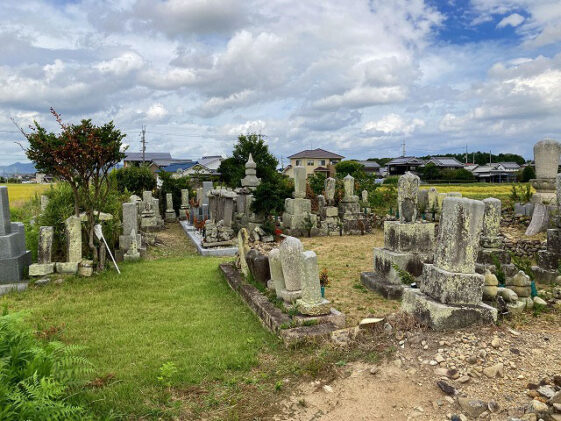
{"x":477,"y":191}
{"x":177,"y":310}
{"x":21,"y":193}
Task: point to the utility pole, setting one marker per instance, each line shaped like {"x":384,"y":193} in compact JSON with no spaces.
{"x":403,"y":147}
{"x":490,"y":158}
{"x":143,"y":142}
{"x":466,"y":154}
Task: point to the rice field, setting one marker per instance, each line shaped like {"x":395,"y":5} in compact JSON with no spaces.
{"x":477,"y":191}
{"x":21,"y":193}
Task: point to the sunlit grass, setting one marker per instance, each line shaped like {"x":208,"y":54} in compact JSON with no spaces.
{"x":21,"y":193}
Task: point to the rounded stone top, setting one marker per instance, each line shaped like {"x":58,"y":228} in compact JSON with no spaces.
{"x":547,"y":142}
{"x":349,"y":177}
{"x":250,"y":162}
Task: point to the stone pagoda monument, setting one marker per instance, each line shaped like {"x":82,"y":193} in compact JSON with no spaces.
{"x":408,"y":243}
{"x":250,"y":180}
{"x":14,"y":258}
{"x":451,"y":292}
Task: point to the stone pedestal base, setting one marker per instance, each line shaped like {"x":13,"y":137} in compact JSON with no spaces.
{"x":125,"y":241}
{"x":452,"y":287}
{"x":183,"y":213}
{"x":415,"y":238}
{"x":384,"y":260}
{"x":7,"y":288}
{"x":12,"y":269}
{"x":440,"y":316}
{"x":334,"y":316}
{"x":289,"y":296}
{"x":149,"y":223}
{"x":131,"y":257}
{"x":68,"y":268}
{"x":545,"y":197}
{"x":314,"y":309}
{"x":545,"y":276}
{"x":85,"y":268}
{"x":488,"y":255}
{"x":378,"y":284}
{"x":170,"y":216}
{"x":41,"y":269}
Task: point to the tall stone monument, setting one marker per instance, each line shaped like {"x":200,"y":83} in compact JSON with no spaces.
{"x":44,"y":265}
{"x":548,"y":260}
{"x":330,"y":215}
{"x":451,"y":293}
{"x":349,"y":205}
{"x":170,"y":215}
{"x":312,"y":303}
{"x":150,"y":215}
{"x":14,"y":258}
{"x":250,"y":180}
{"x":298,"y":211}
{"x":73,"y":233}
{"x":492,"y":247}
{"x":290,"y":252}
{"x":408,"y":243}
{"x":546,"y":158}
{"x":185,"y":206}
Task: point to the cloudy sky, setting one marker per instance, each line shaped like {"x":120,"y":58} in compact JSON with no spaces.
{"x":355,"y":77}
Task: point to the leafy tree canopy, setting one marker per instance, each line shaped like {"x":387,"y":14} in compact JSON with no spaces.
{"x":232,"y":170}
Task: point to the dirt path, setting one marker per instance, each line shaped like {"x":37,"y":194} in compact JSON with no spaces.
{"x":405,"y":388}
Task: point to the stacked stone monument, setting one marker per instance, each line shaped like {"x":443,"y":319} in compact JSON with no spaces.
{"x":150,"y":219}
{"x":44,"y":265}
{"x":349,"y":206}
{"x":546,"y":158}
{"x":170,"y":215}
{"x":132,"y":254}
{"x":14,"y":258}
{"x":130,"y":225}
{"x":548,"y":260}
{"x":295,"y":277}
{"x":218,"y":228}
{"x":185,"y":206}
{"x":250,"y":180}
{"x":73,"y":234}
{"x":492,"y":245}
{"x":408,"y":243}
{"x":329,"y":213}
{"x":297,"y":216}
{"x":450,"y":294}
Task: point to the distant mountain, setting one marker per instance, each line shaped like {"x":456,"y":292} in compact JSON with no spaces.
{"x":19,"y":168}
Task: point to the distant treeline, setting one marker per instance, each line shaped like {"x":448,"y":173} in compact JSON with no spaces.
{"x":480,"y":158}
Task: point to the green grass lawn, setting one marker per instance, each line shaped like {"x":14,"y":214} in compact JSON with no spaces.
{"x":176,"y":310}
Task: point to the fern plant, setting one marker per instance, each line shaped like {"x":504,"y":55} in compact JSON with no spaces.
{"x":37,"y":378}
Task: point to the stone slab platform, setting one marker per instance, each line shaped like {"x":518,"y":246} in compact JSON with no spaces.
{"x":274,"y":319}
{"x":440,"y":316}
{"x":196,"y":240}
{"x":377,"y":283}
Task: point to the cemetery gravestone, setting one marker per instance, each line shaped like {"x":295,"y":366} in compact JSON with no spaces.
{"x":14,"y":258}
{"x":451,"y":292}
{"x":44,"y":265}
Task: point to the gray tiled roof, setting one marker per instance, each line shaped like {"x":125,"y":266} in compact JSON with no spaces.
{"x":315,"y":154}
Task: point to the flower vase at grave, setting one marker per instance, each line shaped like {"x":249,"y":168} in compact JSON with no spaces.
{"x":322,"y":291}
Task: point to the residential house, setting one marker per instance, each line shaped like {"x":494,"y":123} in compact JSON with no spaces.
{"x":371,"y":168}
{"x":445,"y":162}
{"x":154,"y":160}
{"x":498,"y":172}
{"x":315,"y":161}
{"x":399,"y":166}
{"x":207,"y":165}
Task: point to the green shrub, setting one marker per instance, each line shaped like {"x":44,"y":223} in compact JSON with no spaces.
{"x":134,"y":180}
{"x":317,"y":183}
{"x":38,"y":380}
{"x":392,"y":179}
{"x":268,"y":198}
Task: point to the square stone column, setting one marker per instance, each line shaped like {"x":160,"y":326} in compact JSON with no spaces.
{"x":44,"y":265}
{"x":170,"y":215}
{"x":311,"y":303}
